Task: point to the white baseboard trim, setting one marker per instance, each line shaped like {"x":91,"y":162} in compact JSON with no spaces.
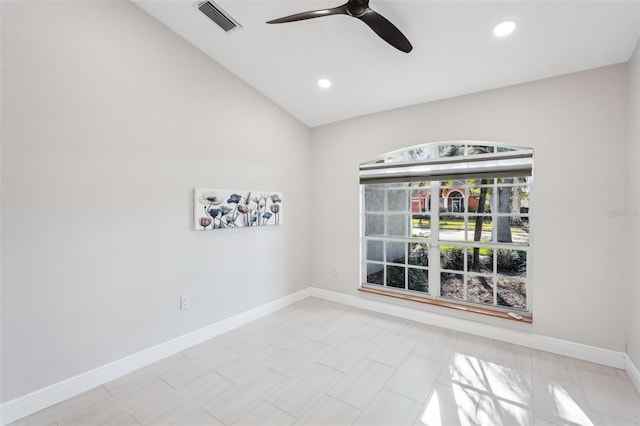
{"x":535,"y":341}
{"x":46,"y":397}
{"x":632,"y":371}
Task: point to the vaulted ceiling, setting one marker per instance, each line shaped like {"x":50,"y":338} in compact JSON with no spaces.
{"x":454,"y":50}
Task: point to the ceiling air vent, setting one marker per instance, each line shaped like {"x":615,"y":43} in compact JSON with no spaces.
{"x":218,"y":15}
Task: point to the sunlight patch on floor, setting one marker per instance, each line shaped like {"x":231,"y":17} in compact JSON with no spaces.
{"x":566,"y":408}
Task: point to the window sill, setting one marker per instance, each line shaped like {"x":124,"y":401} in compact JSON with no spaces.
{"x":466,"y":308}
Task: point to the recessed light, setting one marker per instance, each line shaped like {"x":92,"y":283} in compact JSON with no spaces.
{"x":324,"y":83}
{"x":504,"y":28}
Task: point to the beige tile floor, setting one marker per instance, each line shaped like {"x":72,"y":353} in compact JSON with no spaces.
{"x":321,"y":363}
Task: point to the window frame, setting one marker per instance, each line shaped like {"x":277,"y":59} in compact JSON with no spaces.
{"x":435,"y":242}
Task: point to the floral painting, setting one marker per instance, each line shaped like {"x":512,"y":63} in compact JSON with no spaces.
{"x":225,"y":208}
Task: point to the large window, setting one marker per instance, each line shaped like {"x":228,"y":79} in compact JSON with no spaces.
{"x":450,"y":221}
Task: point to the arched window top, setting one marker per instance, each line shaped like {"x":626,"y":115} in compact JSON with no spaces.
{"x":448,"y":160}
{"x":441,"y":150}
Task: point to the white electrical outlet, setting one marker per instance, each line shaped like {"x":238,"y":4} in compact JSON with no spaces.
{"x":184,"y":302}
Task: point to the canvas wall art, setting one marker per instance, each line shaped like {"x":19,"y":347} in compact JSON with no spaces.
{"x":226,"y":208}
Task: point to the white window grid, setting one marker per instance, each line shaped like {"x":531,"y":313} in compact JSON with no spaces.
{"x":434,"y":242}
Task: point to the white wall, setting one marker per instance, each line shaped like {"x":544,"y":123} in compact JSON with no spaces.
{"x":633,"y":215}
{"x":109,"y":120}
{"x":577,"y":125}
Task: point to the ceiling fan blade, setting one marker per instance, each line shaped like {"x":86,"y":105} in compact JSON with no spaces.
{"x":386,"y":30}
{"x":340,"y":10}
{"x":357,"y":9}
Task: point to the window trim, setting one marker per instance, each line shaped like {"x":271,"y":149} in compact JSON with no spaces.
{"x":460,"y":306}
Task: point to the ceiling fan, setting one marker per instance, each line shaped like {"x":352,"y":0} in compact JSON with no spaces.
{"x":358,"y":9}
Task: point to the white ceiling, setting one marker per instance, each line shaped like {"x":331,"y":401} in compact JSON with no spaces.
{"x":454,"y":50}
